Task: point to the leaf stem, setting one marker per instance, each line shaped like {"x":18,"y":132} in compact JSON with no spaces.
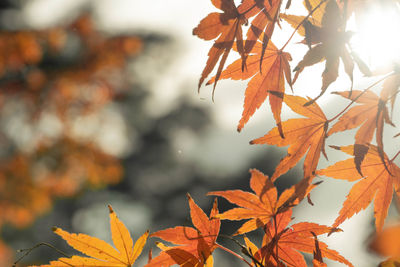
{"x":298,"y":26}
{"x":245,"y":250}
{"x":276,"y":232}
{"x":357,"y":97}
{"x":395,"y":156}
{"x":233,"y":253}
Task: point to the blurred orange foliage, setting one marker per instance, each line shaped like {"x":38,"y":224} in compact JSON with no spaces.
{"x":63,"y":73}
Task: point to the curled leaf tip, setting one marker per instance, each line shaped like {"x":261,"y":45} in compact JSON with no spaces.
{"x":309,"y":103}
{"x":334,"y":230}
{"x":110,"y":209}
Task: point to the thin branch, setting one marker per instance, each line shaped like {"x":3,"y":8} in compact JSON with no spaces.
{"x":276,"y":232}
{"x":357,"y":97}
{"x":245,"y":250}
{"x":395,"y":156}
{"x":29,"y":250}
{"x":301,"y":23}
{"x":233,"y":253}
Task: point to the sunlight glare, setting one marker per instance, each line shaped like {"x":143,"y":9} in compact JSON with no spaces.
{"x":377,"y":40}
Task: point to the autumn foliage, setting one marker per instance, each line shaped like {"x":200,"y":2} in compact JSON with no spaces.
{"x":246,"y":30}
{"x":61,"y":163}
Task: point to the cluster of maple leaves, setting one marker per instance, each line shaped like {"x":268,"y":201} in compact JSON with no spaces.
{"x":281,"y":244}
{"x":268,"y":70}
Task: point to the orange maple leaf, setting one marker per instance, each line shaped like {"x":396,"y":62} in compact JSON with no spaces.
{"x":315,"y":19}
{"x":266,"y":14}
{"x":387,"y":242}
{"x":102,"y":254}
{"x":195,"y":244}
{"x":301,"y":134}
{"x":377,"y":184}
{"x":281,"y":244}
{"x":227,"y":27}
{"x":264,"y":204}
{"x":267,"y":82}
{"x":326,"y":39}
{"x":371,"y":115}
{"x":390,"y":89}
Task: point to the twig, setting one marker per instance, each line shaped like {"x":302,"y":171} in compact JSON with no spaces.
{"x":29,"y":250}
{"x":298,"y":26}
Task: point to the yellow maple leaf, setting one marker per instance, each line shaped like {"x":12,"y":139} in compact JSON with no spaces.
{"x":102,"y":254}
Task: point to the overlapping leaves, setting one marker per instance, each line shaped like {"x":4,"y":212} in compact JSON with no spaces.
{"x":326,"y":39}
{"x":227,"y":27}
{"x":377,"y":184}
{"x":371,"y":115}
{"x":195,"y":245}
{"x":267,"y":81}
{"x":264,"y":204}
{"x":282,"y":244}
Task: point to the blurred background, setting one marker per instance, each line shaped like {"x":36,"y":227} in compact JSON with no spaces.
{"x":99,"y":105}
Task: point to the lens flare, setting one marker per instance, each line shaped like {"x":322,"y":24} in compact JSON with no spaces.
{"x":377,"y":37}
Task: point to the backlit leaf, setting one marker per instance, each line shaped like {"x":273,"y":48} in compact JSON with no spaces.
{"x":195,"y":244}
{"x":264,"y":204}
{"x":377,"y":184}
{"x":102,"y":254}
{"x":301,"y":135}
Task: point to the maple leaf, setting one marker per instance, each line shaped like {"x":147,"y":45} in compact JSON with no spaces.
{"x":301,"y":135}
{"x":264,"y":204}
{"x":195,"y":244}
{"x":390,"y":89}
{"x":262,"y":25}
{"x":317,"y":8}
{"x":227,"y":28}
{"x":377,"y":184}
{"x":326,"y":39}
{"x":371,"y":115}
{"x":102,"y":254}
{"x":267,"y":82}
{"x":386,"y":243}
{"x":281,"y":244}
